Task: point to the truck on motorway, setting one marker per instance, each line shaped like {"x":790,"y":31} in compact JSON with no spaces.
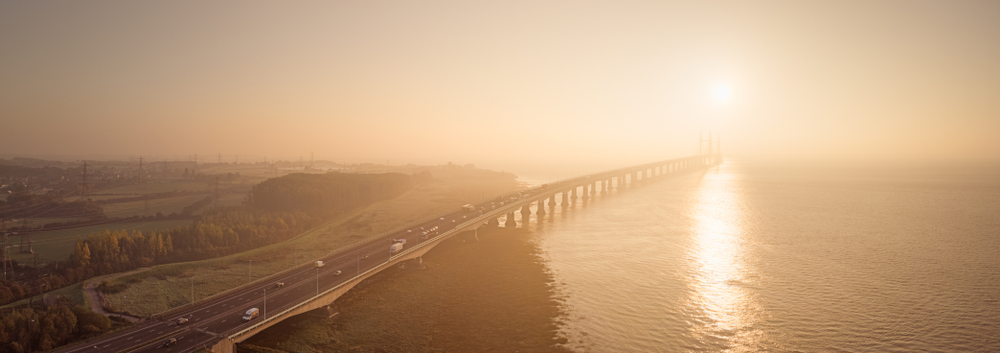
{"x":251,"y":314}
{"x":469,"y":207}
{"x":319,"y":264}
{"x":397,"y":247}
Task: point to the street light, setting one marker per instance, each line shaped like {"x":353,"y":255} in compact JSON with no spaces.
{"x":317,"y":281}
{"x":250,"y":272}
{"x":265,"y":303}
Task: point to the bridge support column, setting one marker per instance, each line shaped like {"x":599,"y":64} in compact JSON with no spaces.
{"x":224,"y":346}
{"x":525,"y":211}
{"x":510,"y":223}
{"x":552,"y":200}
{"x":565,"y":198}
{"x":493,"y":222}
{"x":604,"y":189}
{"x":541,"y":207}
{"x":572,"y":194}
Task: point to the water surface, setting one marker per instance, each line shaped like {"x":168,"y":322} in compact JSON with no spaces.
{"x":754,"y":257}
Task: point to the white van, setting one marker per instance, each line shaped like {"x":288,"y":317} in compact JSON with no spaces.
{"x":251,"y":314}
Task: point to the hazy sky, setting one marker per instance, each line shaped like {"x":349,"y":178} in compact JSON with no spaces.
{"x":500,"y":83}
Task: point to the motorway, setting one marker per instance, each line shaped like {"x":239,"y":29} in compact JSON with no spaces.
{"x":221,"y":316}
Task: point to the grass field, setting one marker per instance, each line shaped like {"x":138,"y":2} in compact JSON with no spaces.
{"x":92,"y":197}
{"x":40,"y":221}
{"x":156,"y":187}
{"x":168,"y":286}
{"x":151,"y":207}
{"x":73,"y":292}
{"x":56,"y":245}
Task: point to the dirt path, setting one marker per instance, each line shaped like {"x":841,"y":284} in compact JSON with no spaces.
{"x":90,"y":287}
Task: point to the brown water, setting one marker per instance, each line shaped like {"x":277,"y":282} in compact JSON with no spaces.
{"x":750,"y":257}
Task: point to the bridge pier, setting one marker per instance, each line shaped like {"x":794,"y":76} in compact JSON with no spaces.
{"x":565,"y":199}
{"x":604,"y":189}
{"x":493,"y":222}
{"x":510,"y":223}
{"x":525,"y":211}
{"x":541,"y":207}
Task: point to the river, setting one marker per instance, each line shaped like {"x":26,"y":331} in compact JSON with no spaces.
{"x":750,"y":257}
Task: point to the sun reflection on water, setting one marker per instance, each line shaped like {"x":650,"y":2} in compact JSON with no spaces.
{"x":721,"y":276}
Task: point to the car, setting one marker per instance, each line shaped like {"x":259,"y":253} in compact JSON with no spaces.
{"x":279,"y":284}
{"x":169,"y":342}
{"x":181,"y":321}
{"x":251,"y":314}
{"x":337,"y":273}
{"x":365,"y":257}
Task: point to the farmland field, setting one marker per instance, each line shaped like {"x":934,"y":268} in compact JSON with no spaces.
{"x":156,"y":187}
{"x":56,"y":245}
{"x":151,"y":207}
{"x":41,"y":221}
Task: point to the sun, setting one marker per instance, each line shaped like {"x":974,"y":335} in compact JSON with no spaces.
{"x":721,"y":93}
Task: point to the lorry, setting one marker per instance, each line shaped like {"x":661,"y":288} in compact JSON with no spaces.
{"x":469,"y":207}
{"x":319,"y":264}
{"x":397,"y":247}
{"x":251,"y":314}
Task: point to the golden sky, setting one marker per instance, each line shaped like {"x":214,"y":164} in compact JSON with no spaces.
{"x":498,"y":83}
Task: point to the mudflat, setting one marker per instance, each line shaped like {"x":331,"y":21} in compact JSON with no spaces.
{"x":490,"y":295}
